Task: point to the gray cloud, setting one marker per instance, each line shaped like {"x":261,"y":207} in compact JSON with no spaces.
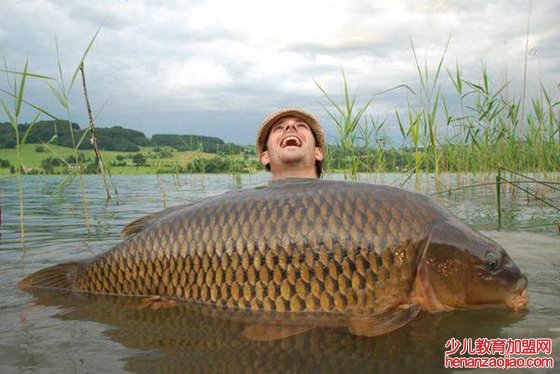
{"x":212,"y":67}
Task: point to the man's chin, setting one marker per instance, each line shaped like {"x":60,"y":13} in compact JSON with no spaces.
{"x":292,"y":157}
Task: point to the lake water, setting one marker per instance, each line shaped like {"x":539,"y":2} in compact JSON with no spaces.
{"x":75,"y":333}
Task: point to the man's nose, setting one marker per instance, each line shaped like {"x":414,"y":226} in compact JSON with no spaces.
{"x":290,"y":127}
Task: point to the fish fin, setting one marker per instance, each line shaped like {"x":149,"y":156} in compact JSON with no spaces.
{"x":385,"y":322}
{"x":136,"y":226}
{"x":59,"y":276}
{"x":141,"y":223}
{"x":273,"y":332}
{"x":152,"y":302}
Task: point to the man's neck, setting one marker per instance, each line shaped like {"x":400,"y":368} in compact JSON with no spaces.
{"x":295,"y":173}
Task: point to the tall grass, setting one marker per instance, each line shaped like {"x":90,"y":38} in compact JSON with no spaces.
{"x":16,"y":90}
{"x":61,"y":91}
{"x":346,"y":118}
{"x":473,"y":127}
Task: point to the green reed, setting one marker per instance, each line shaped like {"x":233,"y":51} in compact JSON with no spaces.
{"x":347,"y":119}
{"x":16,"y":89}
{"x":533,"y":188}
{"x":61,"y":91}
{"x":474,"y":127}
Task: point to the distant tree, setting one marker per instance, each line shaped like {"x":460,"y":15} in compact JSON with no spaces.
{"x":116,"y":138}
{"x":52,"y":161}
{"x":188,"y":142}
{"x":230,"y":149}
{"x":120,"y":139}
{"x":49,"y":163}
{"x":91,"y":168}
{"x":161,"y":152}
{"x":58,"y":132}
{"x":139,"y":159}
{"x":119,"y":163}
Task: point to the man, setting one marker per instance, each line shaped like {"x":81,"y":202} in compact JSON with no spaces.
{"x":291,"y":144}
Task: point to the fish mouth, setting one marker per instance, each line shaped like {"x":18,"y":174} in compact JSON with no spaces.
{"x":291,"y":141}
{"x":519,"y":301}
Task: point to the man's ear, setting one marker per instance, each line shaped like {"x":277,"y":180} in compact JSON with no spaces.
{"x":319,"y":154}
{"x":265,"y":160}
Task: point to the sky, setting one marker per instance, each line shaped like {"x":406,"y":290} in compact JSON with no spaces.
{"x":219,"y":67}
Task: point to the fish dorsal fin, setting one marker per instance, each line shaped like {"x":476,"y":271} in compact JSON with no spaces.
{"x":273,"y":332}
{"x":385,"y":322}
{"x":141,"y":223}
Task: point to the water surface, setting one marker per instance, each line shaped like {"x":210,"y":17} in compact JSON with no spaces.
{"x":52,"y":332}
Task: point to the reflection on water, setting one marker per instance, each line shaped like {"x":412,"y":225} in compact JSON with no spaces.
{"x":51,"y":331}
{"x":190,"y":338}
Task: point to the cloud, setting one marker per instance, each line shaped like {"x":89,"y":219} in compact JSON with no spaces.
{"x":218,"y":67}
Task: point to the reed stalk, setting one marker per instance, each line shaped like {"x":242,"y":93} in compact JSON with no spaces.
{"x":94,"y":140}
{"x":61,"y":93}
{"x":347,"y":119}
{"x":477,"y":133}
{"x":16,"y":90}
{"x":499,"y":197}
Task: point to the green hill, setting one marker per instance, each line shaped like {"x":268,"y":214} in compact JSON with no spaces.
{"x":195,"y":143}
{"x":114,"y":138}
{"x":58,"y":132}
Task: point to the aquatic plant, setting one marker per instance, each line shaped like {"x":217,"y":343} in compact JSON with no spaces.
{"x":94,"y":141}
{"x":61,"y":92}
{"x":16,"y":90}
{"x":347,"y":119}
{"x":476,"y":127}
{"x":531,"y":190}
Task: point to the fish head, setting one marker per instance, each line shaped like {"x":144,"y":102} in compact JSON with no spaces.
{"x":464,"y":269}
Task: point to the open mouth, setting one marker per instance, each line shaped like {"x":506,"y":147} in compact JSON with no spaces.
{"x":519,"y":301}
{"x":290,"y":141}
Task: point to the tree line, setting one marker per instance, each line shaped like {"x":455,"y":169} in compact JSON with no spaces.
{"x":114,"y":138}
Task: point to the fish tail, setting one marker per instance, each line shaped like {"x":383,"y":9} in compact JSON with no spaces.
{"x":59,"y":276}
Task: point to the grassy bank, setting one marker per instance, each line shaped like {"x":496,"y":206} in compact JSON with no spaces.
{"x":54,"y":159}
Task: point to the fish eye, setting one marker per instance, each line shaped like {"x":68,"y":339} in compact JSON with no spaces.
{"x":491,"y":262}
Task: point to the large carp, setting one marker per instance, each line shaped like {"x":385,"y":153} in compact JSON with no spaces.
{"x":308,"y":253}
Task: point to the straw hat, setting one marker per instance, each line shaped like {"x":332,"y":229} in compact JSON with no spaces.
{"x":314,"y":125}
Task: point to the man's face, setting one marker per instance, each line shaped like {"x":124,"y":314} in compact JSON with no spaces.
{"x":290,"y":141}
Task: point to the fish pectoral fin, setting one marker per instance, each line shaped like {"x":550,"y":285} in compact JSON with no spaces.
{"x":152,"y":302}
{"x":385,"y":322}
{"x":273,"y":332}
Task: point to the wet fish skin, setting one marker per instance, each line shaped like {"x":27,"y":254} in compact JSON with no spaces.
{"x":286,"y":249}
{"x":346,"y":249}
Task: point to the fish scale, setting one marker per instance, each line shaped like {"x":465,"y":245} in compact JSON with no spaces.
{"x":298,"y":246}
